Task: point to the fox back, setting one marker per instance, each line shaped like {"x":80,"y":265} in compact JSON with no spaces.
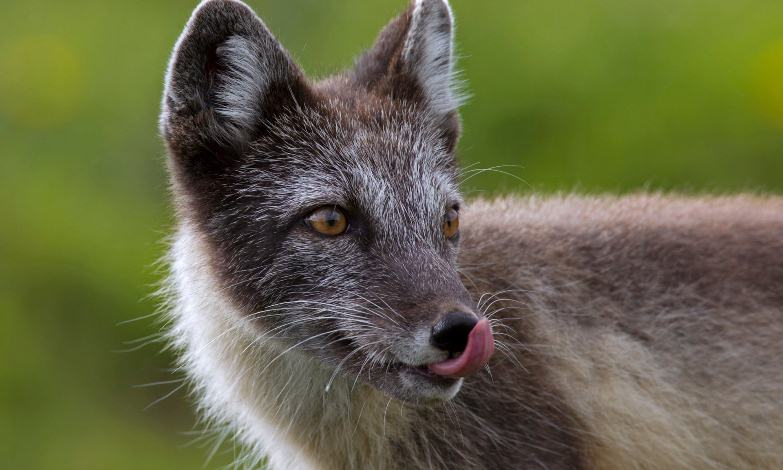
{"x":336,"y":304}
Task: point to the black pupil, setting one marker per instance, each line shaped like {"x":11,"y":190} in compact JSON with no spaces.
{"x":332,"y":218}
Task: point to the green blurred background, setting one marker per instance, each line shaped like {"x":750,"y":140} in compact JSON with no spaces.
{"x":592,"y":95}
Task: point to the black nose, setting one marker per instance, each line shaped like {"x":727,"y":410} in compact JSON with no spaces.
{"x":451,"y":332}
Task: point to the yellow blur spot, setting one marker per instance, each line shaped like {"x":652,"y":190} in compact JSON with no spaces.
{"x":41,"y":82}
{"x":768,"y":82}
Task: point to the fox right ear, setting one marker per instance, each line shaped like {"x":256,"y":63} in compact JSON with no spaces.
{"x":413,"y":60}
{"x":227,"y":76}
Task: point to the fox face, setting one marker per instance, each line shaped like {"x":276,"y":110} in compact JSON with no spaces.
{"x":331,"y":208}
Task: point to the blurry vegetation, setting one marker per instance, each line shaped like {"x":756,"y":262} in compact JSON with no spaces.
{"x":596,"y":95}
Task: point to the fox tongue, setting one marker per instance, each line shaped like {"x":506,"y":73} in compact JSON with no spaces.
{"x":477,"y":352}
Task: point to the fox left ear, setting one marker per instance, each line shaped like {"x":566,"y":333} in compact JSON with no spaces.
{"x":413,"y":59}
{"x":227,"y":80}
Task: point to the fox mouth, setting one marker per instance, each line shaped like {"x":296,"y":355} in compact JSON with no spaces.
{"x":429,"y":374}
{"x":422,"y":372}
{"x":442,"y":379}
{"x":475,"y":355}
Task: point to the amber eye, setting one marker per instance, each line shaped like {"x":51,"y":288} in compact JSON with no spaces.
{"x":329,"y":221}
{"x":451,"y":223}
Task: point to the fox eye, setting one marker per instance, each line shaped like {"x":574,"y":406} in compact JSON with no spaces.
{"x":328,"y":220}
{"x":451,"y":223}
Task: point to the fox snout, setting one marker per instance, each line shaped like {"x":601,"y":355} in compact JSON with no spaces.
{"x":468,"y":341}
{"x":454,"y":344}
{"x":452,"y":331}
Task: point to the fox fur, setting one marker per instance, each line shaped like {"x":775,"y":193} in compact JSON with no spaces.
{"x":635,"y":332}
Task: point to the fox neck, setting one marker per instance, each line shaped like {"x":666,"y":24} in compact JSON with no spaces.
{"x":282,"y":403}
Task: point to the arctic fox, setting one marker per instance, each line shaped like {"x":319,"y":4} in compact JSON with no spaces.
{"x":338,"y":305}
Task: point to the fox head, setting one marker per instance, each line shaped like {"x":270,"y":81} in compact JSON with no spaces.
{"x":330,"y":208}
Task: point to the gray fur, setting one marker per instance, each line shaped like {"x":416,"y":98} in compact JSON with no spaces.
{"x":636,"y":332}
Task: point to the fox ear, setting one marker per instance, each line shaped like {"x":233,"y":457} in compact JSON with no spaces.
{"x":413,"y":58}
{"x":226,"y":78}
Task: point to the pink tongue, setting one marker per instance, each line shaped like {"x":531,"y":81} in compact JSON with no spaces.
{"x":477,"y":352}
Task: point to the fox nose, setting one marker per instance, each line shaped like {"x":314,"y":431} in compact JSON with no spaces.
{"x":452,"y":331}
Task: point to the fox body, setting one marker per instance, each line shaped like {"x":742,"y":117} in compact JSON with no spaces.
{"x":336,"y":303}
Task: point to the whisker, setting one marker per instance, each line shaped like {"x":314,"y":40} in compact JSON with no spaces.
{"x":166,"y":396}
